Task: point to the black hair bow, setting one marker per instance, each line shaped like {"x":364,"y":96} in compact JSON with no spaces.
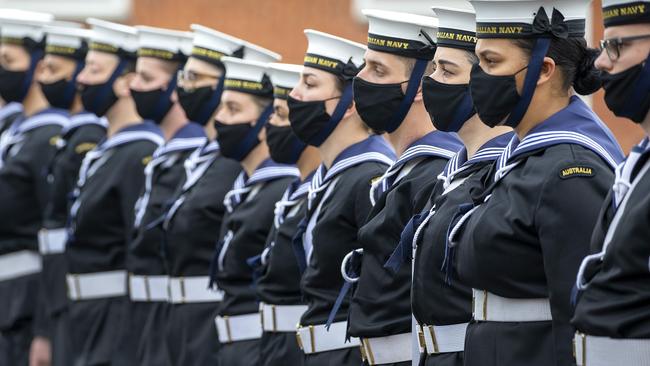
{"x":556,"y":27}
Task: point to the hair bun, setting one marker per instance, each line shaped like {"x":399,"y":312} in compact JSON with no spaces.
{"x":587,"y":79}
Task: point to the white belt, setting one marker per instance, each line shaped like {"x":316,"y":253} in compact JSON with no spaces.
{"x":238,"y":327}
{"x":148,"y":288}
{"x":52,"y":241}
{"x":281,"y":318}
{"x":99,"y":285}
{"x":434,"y":339}
{"x":315,"y":338}
{"x":604,"y":351}
{"x":383,"y":350}
{"x":493,"y":308}
{"x":19,"y":264}
{"x":184,"y":290}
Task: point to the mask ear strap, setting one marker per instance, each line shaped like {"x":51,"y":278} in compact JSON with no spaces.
{"x":336,"y":117}
{"x":71,"y":88}
{"x":251,"y":138}
{"x":530,"y":83}
{"x":641,"y":89}
{"x":411,"y":90}
{"x":162,"y":106}
{"x":108,"y":85}
{"x":35,"y":57}
{"x":213,"y":102}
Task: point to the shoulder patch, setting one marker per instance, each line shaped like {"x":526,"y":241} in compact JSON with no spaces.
{"x":577,"y":171}
{"x":84,"y":147}
{"x":375,"y":180}
{"x":146,"y":159}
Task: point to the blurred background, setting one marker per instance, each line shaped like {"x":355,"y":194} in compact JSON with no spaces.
{"x":278,"y":25}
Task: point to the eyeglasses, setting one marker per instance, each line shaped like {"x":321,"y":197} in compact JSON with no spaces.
{"x":613,"y":45}
{"x":188,"y":79}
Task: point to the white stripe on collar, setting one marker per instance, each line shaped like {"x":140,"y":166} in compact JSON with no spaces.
{"x":44,"y":119}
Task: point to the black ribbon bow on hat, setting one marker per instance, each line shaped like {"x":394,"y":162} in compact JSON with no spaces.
{"x":555,"y":27}
{"x":428,"y":49}
{"x":350,"y":70}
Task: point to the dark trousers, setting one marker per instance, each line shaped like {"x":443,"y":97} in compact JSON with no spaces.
{"x":191,"y":335}
{"x":280,"y":349}
{"x":148,"y":325}
{"x":99,"y":333}
{"x":243,"y":353}
{"x":15,"y":343}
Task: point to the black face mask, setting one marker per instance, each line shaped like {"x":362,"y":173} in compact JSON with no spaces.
{"x":309,"y":120}
{"x":494,"y":96}
{"x":449,"y":105}
{"x":284,"y":146}
{"x":377,"y":103}
{"x":98,"y":98}
{"x":59,"y":94}
{"x":236,"y":141}
{"x":620,"y":93}
{"x":12,"y":85}
{"x":199,"y":104}
{"x":152,"y":104}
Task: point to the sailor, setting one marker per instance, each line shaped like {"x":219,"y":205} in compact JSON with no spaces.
{"x":247,"y":105}
{"x":191,"y":223}
{"x":160,"y":56}
{"x":323,"y":114}
{"x":278,"y":286}
{"x":101,"y":216}
{"x":612,"y":314}
{"x":65,"y":52}
{"x":388,"y":97}
{"x":519,"y":242}
{"x":442,"y":308}
{"x":26,"y":148}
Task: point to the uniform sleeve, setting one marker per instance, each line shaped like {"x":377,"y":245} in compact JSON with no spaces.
{"x":132,"y":183}
{"x":41,"y":150}
{"x":362,"y":204}
{"x":565,"y":216}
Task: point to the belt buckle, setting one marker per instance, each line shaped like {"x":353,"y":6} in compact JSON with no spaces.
{"x":274,"y":318}
{"x":421,"y":342}
{"x":312,"y":338}
{"x":181,"y":285}
{"x":77,"y":287}
{"x":147,"y":290}
{"x":226,"y":320}
{"x":298,"y":339}
{"x":582,"y":338}
{"x":262,"y":315}
{"x":365,"y":346}
{"x":434,"y":341}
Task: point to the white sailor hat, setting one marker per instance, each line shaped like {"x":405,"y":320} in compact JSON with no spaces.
{"x":211,"y":45}
{"x":333,"y":54}
{"x":24,"y":28}
{"x":160,"y":43}
{"x":401,"y":34}
{"x":622,"y":12}
{"x":284,"y":78}
{"x":187,"y":43}
{"x":457,"y":25}
{"x":67,"y":39}
{"x":253,"y":52}
{"x":247,"y":77}
{"x":115,"y":38}
{"x":530,"y":18}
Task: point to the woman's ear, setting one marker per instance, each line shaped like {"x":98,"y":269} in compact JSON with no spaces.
{"x":262,"y":135}
{"x":121,"y":85}
{"x":548,"y":70}
{"x":352,"y":109}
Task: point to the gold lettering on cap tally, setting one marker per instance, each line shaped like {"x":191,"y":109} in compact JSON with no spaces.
{"x":152,"y":52}
{"x":50,"y":48}
{"x":242,"y":84}
{"x":204,"y":52}
{"x":320,"y":61}
{"x":624,"y":11}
